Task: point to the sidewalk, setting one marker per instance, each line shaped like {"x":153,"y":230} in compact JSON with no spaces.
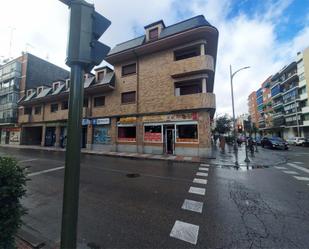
{"x":114,"y":154}
{"x":262,"y":158}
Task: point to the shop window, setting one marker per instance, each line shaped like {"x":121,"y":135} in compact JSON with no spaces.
{"x":127,"y":133}
{"x":37,"y":110}
{"x":28,"y":110}
{"x":187,"y":133}
{"x":128,"y":69}
{"x":99,"y":101}
{"x":101,"y":134}
{"x":128,"y":97}
{"x":64,"y":105}
{"x":153,"y":133}
{"x":185,"y":53}
{"x":53,"y":107}
{"x":189,"y":87}
{"x":154,"y":34}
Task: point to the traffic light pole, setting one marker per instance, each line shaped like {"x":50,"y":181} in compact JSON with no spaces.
{"x":72,"y":160}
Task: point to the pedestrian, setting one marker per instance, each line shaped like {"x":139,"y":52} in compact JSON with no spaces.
{"x":222,"y":143}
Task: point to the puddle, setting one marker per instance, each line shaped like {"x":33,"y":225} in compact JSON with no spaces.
{"x":243,"y":167}
{"x":133,"y":175}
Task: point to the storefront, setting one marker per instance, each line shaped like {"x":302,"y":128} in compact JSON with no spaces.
{"x":126,"y":134}
{"x":102,"y":138}
{"x":10,"y":135}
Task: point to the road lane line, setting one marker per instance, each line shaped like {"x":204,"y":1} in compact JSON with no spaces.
{"x":200,"y":181}
{"x":201,"y":174}
{"x":302,"y":178}
{"x":185,"y":231}
{"x":197,"y":191}
{"x":299,"y":167}
{"x":204,"y":164}
{"x":290,"y":172}
{"x":280,"y":167}
{"x":203,"y":169}
{"x":194,"y":206}
{"x":299,"y":162}
{"x":45,"y":171}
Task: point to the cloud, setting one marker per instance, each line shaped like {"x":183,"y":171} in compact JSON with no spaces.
{"x":244,"y":39}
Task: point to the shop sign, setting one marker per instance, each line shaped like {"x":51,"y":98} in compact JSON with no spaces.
{"x":101,"y":121}
{"x":152,"y":136}
{"x":85,"y":121}
{"x":127,"y":120}
{"x":171,"y":117}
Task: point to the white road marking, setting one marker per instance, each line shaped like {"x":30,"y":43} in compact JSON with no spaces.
{"x":28,"y":160}
{"x":200,"y":181}
{"x":198,"y":191}
{"x":203,"y":169}
{"x":185,"y":231}
{"x":299,"y":162}
{"x":45,"y":171}
{"x":201,"y":174}
{"x":299,"y":167}
{"x":204,"y":164}
{"x":194,"y":206}
{"x":291,"y":172}
{"x":302,"y":178}
{"x":187,"y":158}
{"x":280,"y":167}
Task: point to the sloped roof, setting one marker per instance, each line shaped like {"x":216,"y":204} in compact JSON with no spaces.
{"x":107,"y":79}
{"x":43,"y":93}
{"x":88,"y":81}
{"x":191,"y":23}
{"x":30,"y":96}
{"x":59,"y":89}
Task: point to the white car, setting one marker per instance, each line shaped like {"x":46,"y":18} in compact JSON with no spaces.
{"x":296,"y":140}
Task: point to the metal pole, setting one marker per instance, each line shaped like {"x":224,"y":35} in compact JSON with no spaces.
{"x":72,"y":160}
{"x":298,"y":130}
{"x":234,"y":120}
{"x":246,"y":148}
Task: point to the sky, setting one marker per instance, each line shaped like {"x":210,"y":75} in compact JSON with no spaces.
{"x":263,"y":34}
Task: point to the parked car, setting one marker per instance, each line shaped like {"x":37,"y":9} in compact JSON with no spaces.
{"x":274,"y":143}
{"x":306,"y":142}
{"x":296,"y":140}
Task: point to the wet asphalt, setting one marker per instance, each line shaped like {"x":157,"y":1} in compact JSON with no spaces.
{"x":260,"y":208}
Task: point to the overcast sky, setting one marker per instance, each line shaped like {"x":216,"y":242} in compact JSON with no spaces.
{"x":262,"y":34}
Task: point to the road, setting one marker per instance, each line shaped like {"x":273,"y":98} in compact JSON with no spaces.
{"x":260,"y":208}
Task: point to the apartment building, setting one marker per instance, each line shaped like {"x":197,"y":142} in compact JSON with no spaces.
{"x":253,"y":109}
{"x":16,"y":76}
{"x":289,"y":107}
{"x":157,"y":99}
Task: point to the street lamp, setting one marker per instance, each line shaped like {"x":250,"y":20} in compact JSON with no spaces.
{"x":234,"y":121}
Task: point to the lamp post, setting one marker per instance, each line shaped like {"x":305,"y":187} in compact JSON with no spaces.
{"x":234,"y":120}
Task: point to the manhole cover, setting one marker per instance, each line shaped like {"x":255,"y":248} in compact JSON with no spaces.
{"x":133,"y":175}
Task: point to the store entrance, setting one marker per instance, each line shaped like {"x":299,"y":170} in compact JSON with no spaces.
{"x":169,"y":139}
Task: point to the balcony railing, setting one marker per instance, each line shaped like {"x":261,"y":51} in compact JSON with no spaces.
{"x":7,"y":90}
{"x":193,"y":101}
{"x":303,"y":96}
{"x":305,"y":109}
{"x":8,"y":120}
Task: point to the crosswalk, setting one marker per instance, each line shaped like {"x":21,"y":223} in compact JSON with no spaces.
{"x":297,"y":170}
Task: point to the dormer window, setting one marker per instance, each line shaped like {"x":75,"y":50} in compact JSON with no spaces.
{"x":67,"y":84}
{"x":55,"y":86}
{"x":40,"y":89}
{"x":29,"y":92}
{"x":154,"y":34}
{"x":100,"y":75}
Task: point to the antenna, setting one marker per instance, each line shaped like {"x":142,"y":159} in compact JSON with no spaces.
{"x":11,"y":40}
{"x":28,"y":45}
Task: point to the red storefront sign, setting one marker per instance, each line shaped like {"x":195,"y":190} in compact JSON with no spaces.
{"x":152,"y":136}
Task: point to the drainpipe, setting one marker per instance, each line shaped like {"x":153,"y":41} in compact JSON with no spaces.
{"x":137,"y":98}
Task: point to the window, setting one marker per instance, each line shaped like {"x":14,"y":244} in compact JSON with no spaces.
{"x":85,"y":102}
{"x":40,"y":89}
{"x":128,"y":97}
{"x":153,"y":34}
{"x":99,"y":101}
{"x":187,"y":133}
{"x":37,"y":110}
{"x":53,"y":107}
{"x":28,"y":110}
{"x":101,"y":76}
{"x":55,"y":86}
{"x":187,"y":53}
{"x":189,"y":87}
{"x":127,"y":133}
{"x":67,"y":84}
{"x":153,"y":133}
{"x":29,"y":92}
{"x":64,"y":105}
{"x":129,"y":69}
{"x":101,"y":134}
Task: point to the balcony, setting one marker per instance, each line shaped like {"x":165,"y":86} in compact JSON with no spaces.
{"x":277,"y":122}
{"x":302,"y":83}
{"x":7,"y":90}
{"x":305,"y":109}
{"x":197,"y":64}
{"x":277,"y":104}
{"x":306,"y":123}
{"x":25,"y":118}
{"x":8,"y":121}
{"x":193,"y":101}
{"x":303,"y":96}
{"x":277,"y":115}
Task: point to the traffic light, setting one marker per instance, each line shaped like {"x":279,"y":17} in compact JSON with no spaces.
{"x":86,"y":27}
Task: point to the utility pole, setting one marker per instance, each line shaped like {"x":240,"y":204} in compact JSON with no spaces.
{"x":84,"y":51}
